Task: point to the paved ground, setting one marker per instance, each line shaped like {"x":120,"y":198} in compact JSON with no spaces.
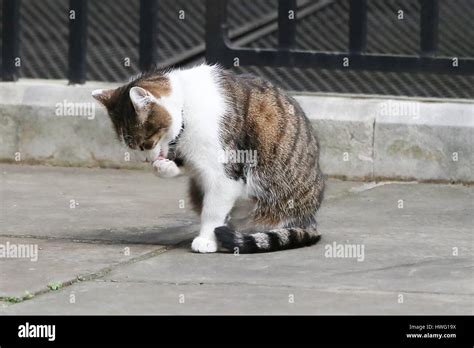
{"x":124,"y":248}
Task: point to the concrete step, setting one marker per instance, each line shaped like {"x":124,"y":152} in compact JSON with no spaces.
{"x":48,"y":122}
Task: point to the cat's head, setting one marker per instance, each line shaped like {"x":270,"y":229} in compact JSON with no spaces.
{"x":144,"y":114}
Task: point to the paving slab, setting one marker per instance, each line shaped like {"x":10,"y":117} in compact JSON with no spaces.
{"x":421,"y":247}
{"x":171,"y":299}
{"x":130,"y":206}
{"x":59,"y":261}
{"x":3,"y":305}
{"x":400,"y":241}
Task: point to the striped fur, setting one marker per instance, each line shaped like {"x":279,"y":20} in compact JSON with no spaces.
{"x":286,"y":184}
{"x":274,"y":240}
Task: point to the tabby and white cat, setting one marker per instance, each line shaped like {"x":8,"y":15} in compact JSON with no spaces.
{"x":194,"y":116}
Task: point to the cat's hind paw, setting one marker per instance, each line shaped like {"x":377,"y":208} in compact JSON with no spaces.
{"x":164,"y":168}
{"x":204,"y":245}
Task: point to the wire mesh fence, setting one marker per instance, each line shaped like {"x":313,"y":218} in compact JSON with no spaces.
{"x":113,"y":39}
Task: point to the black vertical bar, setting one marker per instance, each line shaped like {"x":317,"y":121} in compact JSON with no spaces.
{"x":216,"y":33}
{"x":77,"y":41}
{"x":148,"y":47}
{"x":286,"y":25}
{"x":429,"y":27}
{"x":10,"y":39}
{"x":357,"y":26}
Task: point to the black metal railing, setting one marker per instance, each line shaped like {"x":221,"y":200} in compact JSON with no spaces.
{"x":77,"y":47}
{"x":219,"y":48}
{"x":77,"y":41}
{"x":10,"y":40}
{"x":148,"y":50}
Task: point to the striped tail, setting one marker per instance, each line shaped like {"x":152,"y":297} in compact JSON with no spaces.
{"x":262,"y":242}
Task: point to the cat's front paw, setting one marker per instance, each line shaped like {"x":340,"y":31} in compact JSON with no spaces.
{"x":164,"y":168}
{"x":204,"y":245}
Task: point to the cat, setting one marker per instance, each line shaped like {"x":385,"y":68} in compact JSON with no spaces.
{"x":214,"y":121}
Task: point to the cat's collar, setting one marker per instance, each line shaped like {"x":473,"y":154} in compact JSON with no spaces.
{"x":175,"y":140}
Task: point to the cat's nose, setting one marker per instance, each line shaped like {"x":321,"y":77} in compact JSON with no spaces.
{"x":141,"y":147}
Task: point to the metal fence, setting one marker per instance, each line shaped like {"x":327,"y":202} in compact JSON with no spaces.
{"x":77,"y":41}
{"x":220,"y":49}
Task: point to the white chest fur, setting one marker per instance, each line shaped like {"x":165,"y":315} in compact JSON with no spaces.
{"x":203,"y":109}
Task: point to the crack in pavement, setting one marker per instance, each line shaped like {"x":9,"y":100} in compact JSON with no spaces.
{"x":91,"y":240}
{"x":92,"y":276}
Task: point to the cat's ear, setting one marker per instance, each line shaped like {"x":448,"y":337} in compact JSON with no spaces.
{"x":141,"y":98}
{"x":102,"y":95}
